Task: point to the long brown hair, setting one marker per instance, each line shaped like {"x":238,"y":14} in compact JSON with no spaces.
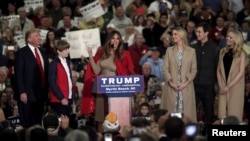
{"x":108,"y":46}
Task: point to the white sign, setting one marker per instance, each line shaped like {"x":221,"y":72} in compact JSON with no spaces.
{"x":43,"y":34}
{"x":77,"y":21}
{"x":9,"y":18}
{"x":32,"y":4}
{"x":92,"y":10}
{"x":20,"y":40}
{"x":81,"y":40}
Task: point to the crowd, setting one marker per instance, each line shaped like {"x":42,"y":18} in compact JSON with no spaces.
{"x":192,"y":54}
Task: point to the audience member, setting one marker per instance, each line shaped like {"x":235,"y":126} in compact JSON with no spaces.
{"x":190,"y":28}
{"x":50,"y":43}
{"x":5,"y":105}
{"x":219,"y":31}
{"x":136,"y":8}
{"x":143,"y":111}
{"x":3,"y":78}
{"x":105,"y":34}
{"x":120,"y":20}
{"x":66,"y":11}
{"x":236,"y":5}
{"x":36,"y":132}
{"x":174,"y":128}
{"x":224,"y":9}
{"x":243,"y":12}
{"x":166,"y":42}
{"x":38,"y":14}
{"x":245,"y":31}
{"x":23,"y":22}
{"x":152,"y":28}
{"x":139,"y":23}
{"x":77,"y":135}
{"x":137,"y":50}
{"x":153,"y":57}
{"x":67,"y":26}
{"x":55,"y":12}
{"x":230,"y":120}
{"x":129,"y":36}
{"x":107,"y":16}
{"x":51,"y":124}
{"x":46,"y":23}
{"x":230,"y":20}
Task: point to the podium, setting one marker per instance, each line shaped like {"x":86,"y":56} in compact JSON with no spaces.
{"x":119,"y":90}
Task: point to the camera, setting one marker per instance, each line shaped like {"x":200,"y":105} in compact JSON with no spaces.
{"x":179,"y":115}
{"x":191,"y":130}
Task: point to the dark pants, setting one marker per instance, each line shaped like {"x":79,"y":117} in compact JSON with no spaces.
{"x":62,"y":109}
{"x":206,"y":95}
{"x":31,"y":113}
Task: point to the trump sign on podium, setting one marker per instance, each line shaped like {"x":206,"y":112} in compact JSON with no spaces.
{"x":120,"y":86}
{"x":119,"y":90}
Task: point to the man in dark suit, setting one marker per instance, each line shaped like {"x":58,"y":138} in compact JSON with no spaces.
{"x":31,"y":71}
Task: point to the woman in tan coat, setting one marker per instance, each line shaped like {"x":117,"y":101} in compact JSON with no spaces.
{"x":230,"y":76}
{"x":180,"y":69}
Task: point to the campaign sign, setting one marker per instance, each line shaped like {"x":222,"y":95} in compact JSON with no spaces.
{"x":120,"y":86}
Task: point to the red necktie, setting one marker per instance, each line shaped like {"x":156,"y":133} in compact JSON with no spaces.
{"x":39,"y":62}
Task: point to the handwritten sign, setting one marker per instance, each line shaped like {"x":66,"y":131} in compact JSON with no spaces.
{"x":20,"y":40}
{"x":9,"y":18}
{"x":81,"y":40}
{"x":120,"y":85}
{"x":92,"y":10}
{"x":32,"y":4}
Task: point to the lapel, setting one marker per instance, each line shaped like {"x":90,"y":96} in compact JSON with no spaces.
{"x":30,"y":54}
{"x":185,"y":56}
{"x":185,"y":53}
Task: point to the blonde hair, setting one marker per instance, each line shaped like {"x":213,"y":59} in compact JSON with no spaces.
{"x":38,"y":9}
{"x":165,"y":34}
{"x":183,"y":34}
{"x":66,"y":11}
{"x":5,"y":71}
{"x":238,"y":42}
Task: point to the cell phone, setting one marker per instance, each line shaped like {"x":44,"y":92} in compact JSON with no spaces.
{"x":108,"y":137}
{"x":138,"y":130}
{"x":191,"y":130}
{"x":179,"y":115}
{"x":134,"y":139}
{"x":157,"y":101}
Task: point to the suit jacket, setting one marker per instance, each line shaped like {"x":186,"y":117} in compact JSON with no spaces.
{"x":58,"y":80}
{"x":188,"y":73}
{"x":27,"y":75}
